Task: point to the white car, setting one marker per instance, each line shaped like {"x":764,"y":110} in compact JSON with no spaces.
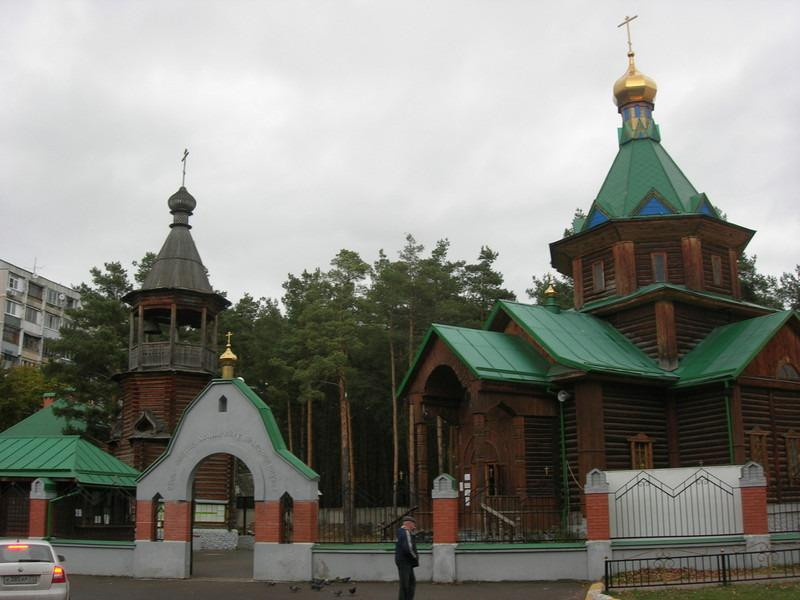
{"x":30,"y":569}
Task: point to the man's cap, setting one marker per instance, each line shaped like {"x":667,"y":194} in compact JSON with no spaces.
{"x":407,"y":518}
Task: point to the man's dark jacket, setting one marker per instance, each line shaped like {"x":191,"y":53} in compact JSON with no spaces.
{"x":405,"y":550}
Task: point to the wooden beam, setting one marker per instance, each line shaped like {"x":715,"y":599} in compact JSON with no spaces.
{"x":736,"y":285}
{"x":577,"y":282}
{"x":591,"y":431}
{"x":666,"y":337}
{"x":624,"y":267}
{"x":737,"y":425}
{"x":692,"y":250}
{"x":673,"y":445}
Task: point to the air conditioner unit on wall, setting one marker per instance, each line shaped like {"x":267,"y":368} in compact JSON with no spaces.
{"x":12,"y":293}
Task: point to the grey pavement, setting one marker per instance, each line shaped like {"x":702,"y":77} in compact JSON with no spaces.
{"x":220,"y":574}
{"x":86,"y":587}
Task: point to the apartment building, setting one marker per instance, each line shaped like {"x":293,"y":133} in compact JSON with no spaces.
{"x":33,"y":312}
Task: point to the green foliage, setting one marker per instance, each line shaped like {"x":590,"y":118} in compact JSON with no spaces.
{"x":93,"y":347}
{"x":562,"y":285}
{"x":21,"y":390}
{"x":756,"y":287}
{"x":789,"y":289}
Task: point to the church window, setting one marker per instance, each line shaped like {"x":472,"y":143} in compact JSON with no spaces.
{"x":598,"y":276}
{"x":659,"y":262}
{"x":641,"y":451}
{"x":793,"y":456}
{"x":716,"y":269}
{"x":758,"y":447}
{"x":223,"y":404}
{"x":787,"y":371}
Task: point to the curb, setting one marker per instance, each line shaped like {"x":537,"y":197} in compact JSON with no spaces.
{"x":595,"y":592}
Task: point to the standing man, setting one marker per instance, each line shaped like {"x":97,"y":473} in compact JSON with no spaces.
{"x":406,"y":557}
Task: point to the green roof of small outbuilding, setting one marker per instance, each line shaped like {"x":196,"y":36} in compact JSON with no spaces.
{"x":728,"y":349}
{"x":65,"y":457}
{"x":44,"y":422}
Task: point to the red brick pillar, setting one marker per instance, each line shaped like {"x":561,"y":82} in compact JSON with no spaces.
{"x":306,"y":513}
{"x":43,"y":490}
{"x":268,"y":521}
{"x":753,"y":488}
{"x":445,"y":528}
{"x":178,"y":521}
{"x":598,"y":524}
{"x":145,"y":520}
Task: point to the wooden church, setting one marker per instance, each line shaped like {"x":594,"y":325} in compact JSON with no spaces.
{"x":660,"y":363}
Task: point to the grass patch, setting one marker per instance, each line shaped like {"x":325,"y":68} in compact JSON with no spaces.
{"x":771,"y":591}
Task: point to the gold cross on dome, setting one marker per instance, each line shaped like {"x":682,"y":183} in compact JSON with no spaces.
{"x":183,"y":160}
{"x":627,"y":23}
{"x":229,"y":335}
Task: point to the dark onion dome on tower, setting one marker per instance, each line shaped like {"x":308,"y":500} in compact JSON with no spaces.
{"x":178,"y":264}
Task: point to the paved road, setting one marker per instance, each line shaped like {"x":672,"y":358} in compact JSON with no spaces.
{"x":85,"y":587}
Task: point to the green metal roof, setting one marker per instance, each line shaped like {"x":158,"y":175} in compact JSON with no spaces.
{"x":43,"y":422}
{"x":728,"y":349}
{"x":653,"y":287}
{"x":643,"y":170}
{"x":580,"y":340}
{"x":488,"y":355}
{"x":63,"y":456}
{"x":266,"y":417}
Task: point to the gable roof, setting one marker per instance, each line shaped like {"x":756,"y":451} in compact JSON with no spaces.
{"x":267,"y":418}
{"x":581,"y":340}
{"x":489,"y":355}
{"x":63,"y":456}
{"x":728,"y":349}
{"x":642,"y":175}
{"x":44,"y":422}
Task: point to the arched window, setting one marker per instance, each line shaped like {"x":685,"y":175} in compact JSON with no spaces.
{"x":787,"y":371}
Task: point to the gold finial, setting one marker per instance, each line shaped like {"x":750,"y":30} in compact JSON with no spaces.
{"x":550,"y":292}
{"x":633,"y":86}
{"x":227,"y":359}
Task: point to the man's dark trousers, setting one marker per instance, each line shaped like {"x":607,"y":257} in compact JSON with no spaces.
{"x":408,"y":582}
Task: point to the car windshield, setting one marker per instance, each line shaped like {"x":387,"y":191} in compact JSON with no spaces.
{"x":22,"y":552}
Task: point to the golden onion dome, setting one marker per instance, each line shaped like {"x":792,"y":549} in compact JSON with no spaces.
{"x":634,"y":86}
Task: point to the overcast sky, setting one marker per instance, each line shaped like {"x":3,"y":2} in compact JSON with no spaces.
{"x":315,"y":126}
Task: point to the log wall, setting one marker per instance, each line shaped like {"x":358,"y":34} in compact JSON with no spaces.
{"x":644,"y":265}
{"x":702,"y":427}
{"x":589,"y":293}
{"x":777,"y":412}
{"x":627,"y":411}
{"x":693,"y":324}
{"x":639,"y":326}
{"x":710,"y":250}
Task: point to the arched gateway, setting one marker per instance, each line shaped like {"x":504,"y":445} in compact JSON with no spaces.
{"x":227,"y":417}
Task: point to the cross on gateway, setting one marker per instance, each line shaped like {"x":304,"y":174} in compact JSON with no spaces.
{"x":229,"y":335}
{"x":627,"y":23}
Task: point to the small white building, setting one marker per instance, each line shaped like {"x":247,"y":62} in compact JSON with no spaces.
{"x":33,"y":310}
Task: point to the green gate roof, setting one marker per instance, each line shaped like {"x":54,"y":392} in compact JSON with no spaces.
{"x":64,"y":457}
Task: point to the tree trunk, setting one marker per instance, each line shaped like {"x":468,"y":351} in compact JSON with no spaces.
{"x":347,"y":512}
{"x":309,"y":434}
{"x":289,"y":424}
{"x":395,"y":433}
